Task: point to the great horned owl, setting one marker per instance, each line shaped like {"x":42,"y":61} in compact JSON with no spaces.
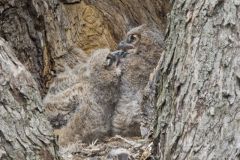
{"x":81,"y":100}
{"x":101,"y":97}
{"x":144,"y":46}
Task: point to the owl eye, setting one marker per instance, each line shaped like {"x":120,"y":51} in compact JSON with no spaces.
{"x":132,"y":38}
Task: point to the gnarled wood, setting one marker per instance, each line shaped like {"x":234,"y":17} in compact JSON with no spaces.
{"x":25,"y":132}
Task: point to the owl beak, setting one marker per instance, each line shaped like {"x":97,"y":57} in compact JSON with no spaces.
{"x":125,"y":46}
{"x":115,"y":57}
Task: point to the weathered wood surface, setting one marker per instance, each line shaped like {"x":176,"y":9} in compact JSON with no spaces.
{"x":199,"y":96}
{"x":25,"y":132}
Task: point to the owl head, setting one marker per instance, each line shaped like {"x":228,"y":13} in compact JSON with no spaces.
{"x":140,"y":39}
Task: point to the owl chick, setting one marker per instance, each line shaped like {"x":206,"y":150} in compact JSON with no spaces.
{"x":99,"y":98}
{"x":144,"y":46}
{"x":83,"y":99}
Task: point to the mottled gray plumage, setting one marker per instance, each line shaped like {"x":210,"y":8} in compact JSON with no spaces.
{"x":84,"y":98}
{"x":104,"y":95}
{"x":144,"y":45}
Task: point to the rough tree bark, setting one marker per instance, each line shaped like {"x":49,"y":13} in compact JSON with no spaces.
{"x":199,"y":92}
{"x":34,"y":28}
{"x":25,"y":132}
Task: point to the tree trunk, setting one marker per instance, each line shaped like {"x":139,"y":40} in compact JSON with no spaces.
{"x":199,"y":93}
{"x":25,"y":132}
